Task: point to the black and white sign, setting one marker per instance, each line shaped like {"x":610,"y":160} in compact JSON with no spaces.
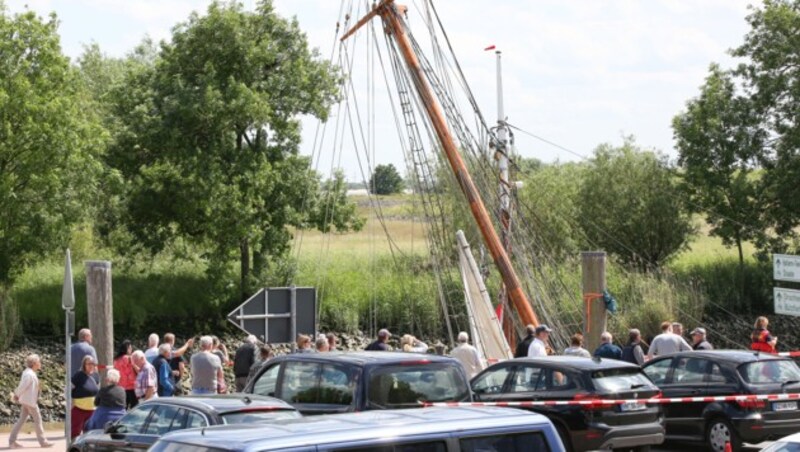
{"x":276,"y":315}
{"x":787,"y":301}
{"x":786,"y":267}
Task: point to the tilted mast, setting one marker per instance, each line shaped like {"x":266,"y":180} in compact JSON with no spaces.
{"x":390,"y":14}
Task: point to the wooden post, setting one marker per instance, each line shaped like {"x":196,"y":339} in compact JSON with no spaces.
{"x":101,"y":314}
{"x":593,"y":266}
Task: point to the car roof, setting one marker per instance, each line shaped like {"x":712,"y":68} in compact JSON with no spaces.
{"x":793,"y":438}
{"x":732,"y":356}
{"x":355,"y":426}
{"x":223,"y":403}
{"x":366,"y":358}
{"x":576,"y":363}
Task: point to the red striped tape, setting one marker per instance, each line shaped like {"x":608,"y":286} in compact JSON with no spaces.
{"x":595,"y":402}
{"x":793,"y":354}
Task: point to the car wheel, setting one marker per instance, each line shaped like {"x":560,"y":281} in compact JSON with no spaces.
{"x":719,"y":433}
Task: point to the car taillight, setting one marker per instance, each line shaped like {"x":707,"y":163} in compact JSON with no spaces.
{"x":593,"y":402}
{"x":751,"y":404}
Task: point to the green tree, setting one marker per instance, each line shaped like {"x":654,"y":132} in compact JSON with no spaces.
{"x":552,"y":192}
{"x":49,"y":140}
{"x":720,"y":142}
{"x":385,"y":180}
{"x":631,"y":205}
{"x":770,"y":75}
{"x":209,"y":143}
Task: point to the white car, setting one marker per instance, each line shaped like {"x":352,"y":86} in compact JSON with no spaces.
{"x":789,"y":443}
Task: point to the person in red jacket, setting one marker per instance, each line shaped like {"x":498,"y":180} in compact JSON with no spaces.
{"x":761,"y":340}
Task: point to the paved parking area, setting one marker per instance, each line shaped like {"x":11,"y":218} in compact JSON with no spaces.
{"x":27,"y":438}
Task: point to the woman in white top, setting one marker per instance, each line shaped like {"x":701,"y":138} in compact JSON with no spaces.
{"x":27,"y":395}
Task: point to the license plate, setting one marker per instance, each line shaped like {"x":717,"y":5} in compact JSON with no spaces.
{"x":784,"y":406}
{"x":632,"y":406}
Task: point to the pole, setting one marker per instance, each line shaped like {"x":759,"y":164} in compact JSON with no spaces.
{"x":593,"y":267}
{"x":501,"y":155}
{"x":68,"y":304}
{"x":388,"y":11}
{"x":101,"y":314}
{"x":68,"y":379}
{"x":293,"y":307}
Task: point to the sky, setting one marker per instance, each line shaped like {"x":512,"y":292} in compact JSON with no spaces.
{"x":578,"y":73}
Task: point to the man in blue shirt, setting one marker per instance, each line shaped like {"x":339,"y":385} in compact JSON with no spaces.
{"x":607,"y":349}
{"x":166,"y":383}
{"x":80,"y":349}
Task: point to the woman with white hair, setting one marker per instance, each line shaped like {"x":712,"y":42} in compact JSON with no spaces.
{"x":27,"y":395}
{"x":109,"y":402}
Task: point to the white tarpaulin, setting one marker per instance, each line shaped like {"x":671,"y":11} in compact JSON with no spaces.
{"x":487,"y":334}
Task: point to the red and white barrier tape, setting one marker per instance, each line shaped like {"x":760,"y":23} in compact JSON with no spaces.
{"x":596,"y":402}
{"x":794,"y":354}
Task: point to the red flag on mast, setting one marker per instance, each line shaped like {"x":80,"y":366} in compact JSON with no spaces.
{"x":491,"y":47}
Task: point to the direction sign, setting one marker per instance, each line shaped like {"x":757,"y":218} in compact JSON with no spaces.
{"x":787,"y":301}
{"x":786,"y":267}
{"x":276,"y":315}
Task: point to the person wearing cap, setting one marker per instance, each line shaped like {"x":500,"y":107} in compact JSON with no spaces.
{"x":699,"y":341}
{"x":467,"y":355}
{"x":525,"y":343}
{"x":380,"y":344}
{"x":538,"y":345}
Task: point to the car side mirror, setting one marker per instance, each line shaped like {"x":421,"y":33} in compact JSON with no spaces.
{"x":110,"y":427}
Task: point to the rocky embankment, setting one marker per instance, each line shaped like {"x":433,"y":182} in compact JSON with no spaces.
{"x":52,"y":378}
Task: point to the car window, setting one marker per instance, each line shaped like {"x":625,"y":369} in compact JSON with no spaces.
{"x":658,"y":371}
{"x":300,"y":382}
{"x":412,"y":385}
{"x":162,"y":419}
{"x":491,"y":382}
{"x":770,"y":372}
{"x":717,"y":376}
{"x":265,"y":385}
{"x":515,"y":442}
{"x":427,"y":446}
{"x":689,"y":370}
{"x":621,"y":379}
{"x":553,"y":380}
{"x":526,"y":379}
{"x":336,"y":385}
{"x":195,"y":420}
{"x":133,"y":422}
{"x":246,"y":417}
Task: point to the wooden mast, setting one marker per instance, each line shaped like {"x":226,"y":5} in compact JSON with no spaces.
{"x":389,"y":12}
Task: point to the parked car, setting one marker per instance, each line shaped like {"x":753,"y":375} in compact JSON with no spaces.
{"x":417,"y":430}
{"x":584,"y":427}
{"x":143,"y":425}
{"x":720,"y":373}
{"x":325,"y":383}
{"x":789,"y":443}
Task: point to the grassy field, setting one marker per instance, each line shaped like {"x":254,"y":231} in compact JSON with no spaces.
{"x":360,"y":276}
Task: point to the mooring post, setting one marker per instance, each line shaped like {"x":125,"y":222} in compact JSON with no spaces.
{"x":101,"y":314}
{"x":593,"y":266}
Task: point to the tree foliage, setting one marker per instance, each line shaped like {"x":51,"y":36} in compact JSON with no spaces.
{"x":770,"y":74}
{"x":720,"y":143}
{"x":49,"y":141}
{"x":385,"y":180}
{"x":631,"y":205}
{"x":209,"y":140}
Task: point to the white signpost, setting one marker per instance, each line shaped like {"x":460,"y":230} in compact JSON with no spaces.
{"x":786,"y":267}
{"x":787,"y":301}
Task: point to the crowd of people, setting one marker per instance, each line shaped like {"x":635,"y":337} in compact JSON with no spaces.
{"x":636,"y":351}
{"x":157,"y":371}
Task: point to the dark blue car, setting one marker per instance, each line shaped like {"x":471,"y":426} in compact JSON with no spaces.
{"x":324,"y":383}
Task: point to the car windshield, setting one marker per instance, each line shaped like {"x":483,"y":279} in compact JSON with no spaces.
{"x":412,"y":385}
{"x":621,"y":380}
{"x":770,"y":372}
{"x":169,"y":446}
{"x":246,"y":417}
{"x":782,"y":447}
